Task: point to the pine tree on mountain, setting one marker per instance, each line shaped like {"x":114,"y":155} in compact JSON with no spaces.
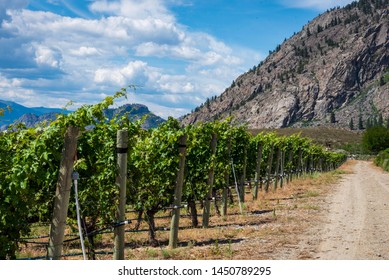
{"x":351,"y":124}
{"x":374,"y":122}
{"x":382,"y":81}
{"x":360,"y":122}
{"x":332,"y":117}
{"x":381,"y":120}
{"x":207,"y":103}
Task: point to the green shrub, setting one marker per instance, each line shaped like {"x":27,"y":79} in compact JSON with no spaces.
{"x":376,"y":139}
{"x":382,"y":159}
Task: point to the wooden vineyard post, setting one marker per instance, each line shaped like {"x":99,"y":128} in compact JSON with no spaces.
{"x":276,"y":172}
{"x":207,"y":204}
{"x":173,"y":238}
{"x":305,"y":164}
{"x":269,"y":168}
{"x":282,"y":169}
{"x":257,"y":171}
{"x":121,"y":183}
{"x":62,"y":194}
{"x":313,"y":165}
{"x":225,"y":194}
{"x":321,"y":164}
{"x":227,"y":180}
{"x":299,"y":163}
{"x":243,"y":177}
{"x":291,"y":166}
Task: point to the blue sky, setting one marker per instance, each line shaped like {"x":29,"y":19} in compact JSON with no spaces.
{"x":176,"y":52}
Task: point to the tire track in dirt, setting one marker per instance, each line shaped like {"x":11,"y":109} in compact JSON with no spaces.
{"x":357,"y":224}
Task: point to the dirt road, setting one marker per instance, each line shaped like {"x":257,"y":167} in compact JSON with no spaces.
{"x":357,"y":223}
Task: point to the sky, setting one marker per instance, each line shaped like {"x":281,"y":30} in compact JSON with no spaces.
{"x":177,"y":53}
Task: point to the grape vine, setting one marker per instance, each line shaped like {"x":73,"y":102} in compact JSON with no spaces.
{"x":30,"y":157}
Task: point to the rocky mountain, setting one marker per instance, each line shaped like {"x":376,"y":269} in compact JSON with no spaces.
{"x":336,"y":69}
{"x":30,"y":119}
{"x":32,"y":116}
{"x":14,"y":112}
{"x":136,"y":112}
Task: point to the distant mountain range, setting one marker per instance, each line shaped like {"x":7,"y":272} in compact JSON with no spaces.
{"x":334,"y":72}
{"x":29,"y":116}
{"x":32,"y":116}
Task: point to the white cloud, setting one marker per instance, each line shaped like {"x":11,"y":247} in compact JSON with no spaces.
{"x":133,"y":72}
{"x":84,"y":59}
{"x":121,"y":30}
{"x":181,"y":51}
{"x":319,"y":5}
{"x":13,"y":90}
{"x":158,"y":108}
{"x":45,"y":56}
{"x":175,"y":84}
{"x":134,"y":9}
{"x":17,"y":90}
{"x":11,"y":5}
{"x":140,"y":74}
{"x":198,"y":48}
{"x":85,"y":51}
{"x":6,"y":84}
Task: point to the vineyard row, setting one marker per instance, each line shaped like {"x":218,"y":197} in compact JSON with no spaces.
{"x":157,"y":169}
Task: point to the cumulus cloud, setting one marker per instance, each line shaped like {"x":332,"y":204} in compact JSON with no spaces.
{"x":11,"y":5}
{"x":12,"y":89}
{"x":140,"y":74}
{"x":8,"y":83}
{"x":81,"y":59}
{"x":319,"y":5}
{"x":45,"y":56}
{"x":119,"y":29}
{"x":85,"y":51}
{"x":198,"y":48}
{"x":175,"y":84}
{"x":133,"y":72}
{"x":134,"y":9}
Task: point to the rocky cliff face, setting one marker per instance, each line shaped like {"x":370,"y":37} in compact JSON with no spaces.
{"x":334,"y":70}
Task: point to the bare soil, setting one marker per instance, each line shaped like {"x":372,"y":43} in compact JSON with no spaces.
{"x":358,"y":221}
{"x":354,"y":219}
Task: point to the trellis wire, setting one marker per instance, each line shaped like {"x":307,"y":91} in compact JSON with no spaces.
{"x":236,"y":186}
{"x":75,"y":177}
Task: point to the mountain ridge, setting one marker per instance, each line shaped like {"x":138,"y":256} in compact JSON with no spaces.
{"x":336,"y":69}
{"x":14,"y":112}
{"x":31,"y":116}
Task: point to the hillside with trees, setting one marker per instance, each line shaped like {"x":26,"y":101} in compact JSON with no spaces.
{"x":334,"y":72}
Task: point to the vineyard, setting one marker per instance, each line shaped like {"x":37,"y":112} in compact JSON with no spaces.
{"x":165,"y":170}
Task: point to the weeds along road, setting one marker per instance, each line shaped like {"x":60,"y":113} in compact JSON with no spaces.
{"x":357,"y":224}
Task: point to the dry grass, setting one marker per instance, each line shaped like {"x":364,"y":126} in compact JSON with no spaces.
{"x":267,"y":227}
{"x":347,"y":167}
